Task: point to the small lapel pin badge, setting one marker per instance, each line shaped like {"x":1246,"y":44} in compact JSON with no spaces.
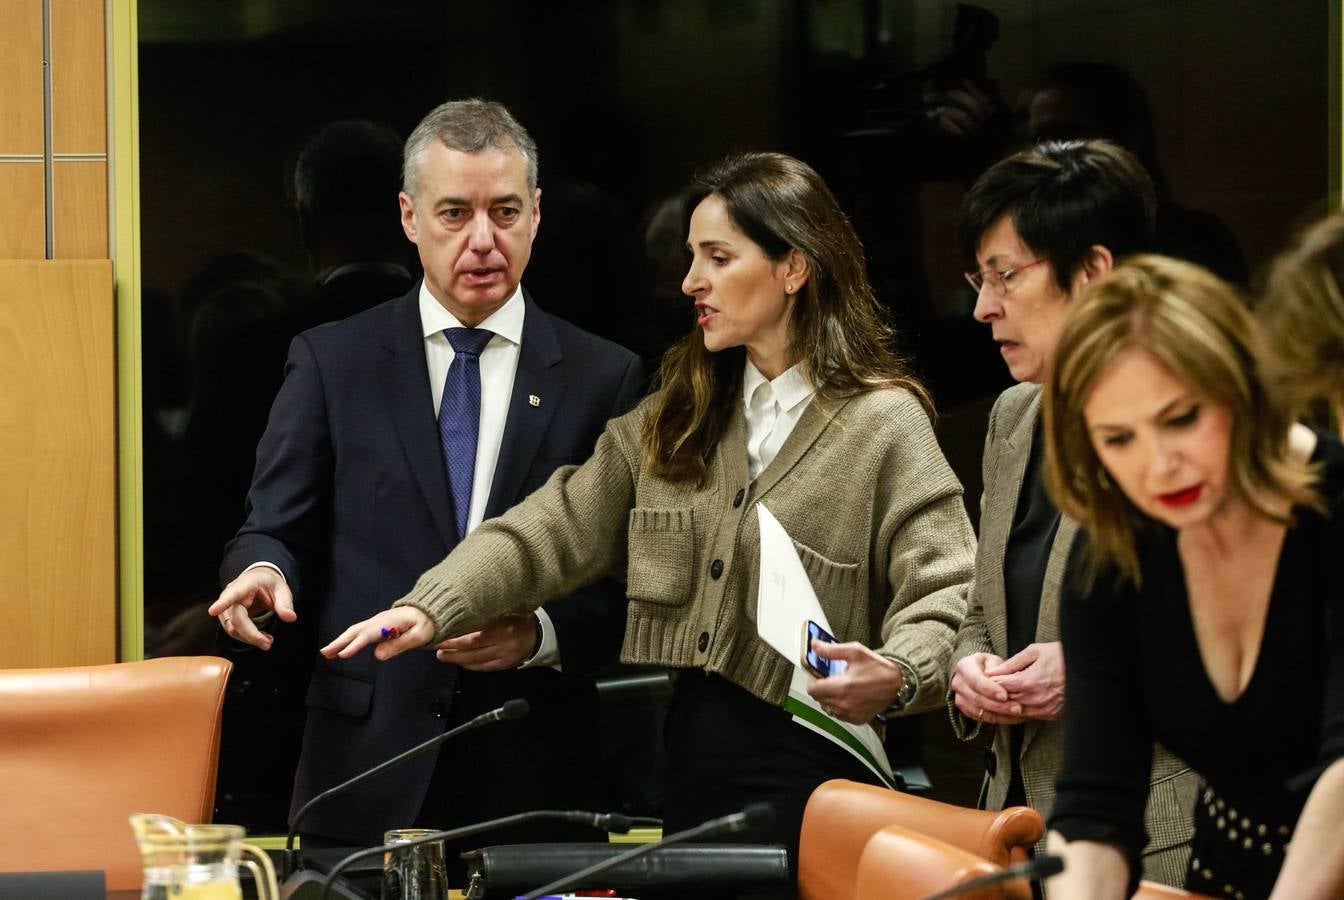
{"x":534,"y":399}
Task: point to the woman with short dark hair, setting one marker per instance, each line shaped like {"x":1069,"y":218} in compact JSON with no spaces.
{"x":1041,"y":225}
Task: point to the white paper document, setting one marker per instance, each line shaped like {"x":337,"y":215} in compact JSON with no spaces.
{"x":785,"y":601}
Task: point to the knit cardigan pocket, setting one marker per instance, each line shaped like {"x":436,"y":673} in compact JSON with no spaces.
{"x":661,"y":561}
{"x":836,"y":585}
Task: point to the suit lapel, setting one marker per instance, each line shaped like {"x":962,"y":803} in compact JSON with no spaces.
{"x":1001,"y":507}
{"x":539,"y":376}
{"x":405,"y":383}
{"x":1047,"y":620}
{"x":1047,"y":616}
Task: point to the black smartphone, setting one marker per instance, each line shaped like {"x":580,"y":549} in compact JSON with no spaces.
{"x":818,"y":665}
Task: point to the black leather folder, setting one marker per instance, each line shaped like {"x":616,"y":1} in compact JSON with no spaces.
{"x":53,"y":885}
{"x":508,"y":870}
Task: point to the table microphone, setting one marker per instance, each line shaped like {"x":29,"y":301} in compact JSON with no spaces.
{"x":753,"y":815}
{"x":613,"y":822}
{"x":1038,"y":868}
{"x":513,"y":709}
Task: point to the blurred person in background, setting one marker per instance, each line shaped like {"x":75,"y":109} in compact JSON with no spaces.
{"x":1302,"y":310}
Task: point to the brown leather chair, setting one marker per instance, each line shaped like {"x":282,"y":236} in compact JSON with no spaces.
{"x":842,"y":815}
{"x":900,"y":864}
{"x":83,"y":748}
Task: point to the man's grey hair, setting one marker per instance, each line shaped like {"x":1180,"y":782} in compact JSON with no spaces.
{"x":468,"y":126}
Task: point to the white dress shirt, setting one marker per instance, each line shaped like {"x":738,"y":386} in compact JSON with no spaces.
{"x":772,"y":410}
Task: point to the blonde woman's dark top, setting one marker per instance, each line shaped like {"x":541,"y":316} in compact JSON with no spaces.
{"x":1136,"y":675}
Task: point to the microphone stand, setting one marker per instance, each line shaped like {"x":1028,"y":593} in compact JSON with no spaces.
{"x":513,"y":709}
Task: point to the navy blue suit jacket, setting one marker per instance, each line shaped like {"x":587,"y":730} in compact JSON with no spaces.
{"x":350,"y":500}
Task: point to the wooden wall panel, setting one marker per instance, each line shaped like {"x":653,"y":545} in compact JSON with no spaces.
{"x":21,"y":78}
{"x":58,"y":454}
{"x":80,"y":210}
{"x":78,"y":77}
{"x":22,"y":210}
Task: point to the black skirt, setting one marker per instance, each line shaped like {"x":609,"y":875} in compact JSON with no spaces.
{"x":727,"y":748}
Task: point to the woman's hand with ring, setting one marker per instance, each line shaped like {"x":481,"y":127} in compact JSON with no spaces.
{"x":980,"y":697}
{"x":868,"y":685}
{"x":1034,"y":679}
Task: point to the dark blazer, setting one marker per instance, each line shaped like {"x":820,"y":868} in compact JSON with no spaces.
{"x":350,"y":500}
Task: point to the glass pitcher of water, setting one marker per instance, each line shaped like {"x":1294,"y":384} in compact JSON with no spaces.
{"x":198,"y":862}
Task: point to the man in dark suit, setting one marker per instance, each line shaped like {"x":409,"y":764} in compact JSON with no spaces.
{"x":395,"y":433}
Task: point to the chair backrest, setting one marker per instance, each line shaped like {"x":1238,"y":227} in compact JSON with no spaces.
{"x":842,"y":815}
{"x":901,"y":864}
{"x":83,"y":748}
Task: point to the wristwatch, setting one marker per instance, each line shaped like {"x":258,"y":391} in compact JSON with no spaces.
{"x":909,"y":688}
{"x":540,"y":635}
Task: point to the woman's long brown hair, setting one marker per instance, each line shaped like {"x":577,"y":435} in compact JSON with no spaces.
{"x":836,"y":329}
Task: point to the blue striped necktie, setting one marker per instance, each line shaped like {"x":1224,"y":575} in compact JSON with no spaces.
{"x":460,"y":416}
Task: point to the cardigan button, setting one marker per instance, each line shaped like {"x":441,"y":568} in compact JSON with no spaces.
{"x":741,"y":495}
{"x":716,"y":569}
{"x":438,"y":709}
{"x":703,"y":643}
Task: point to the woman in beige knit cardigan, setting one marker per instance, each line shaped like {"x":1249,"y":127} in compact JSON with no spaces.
{"x":787,"y":393}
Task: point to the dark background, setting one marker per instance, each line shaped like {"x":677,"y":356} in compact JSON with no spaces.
{"x":626,"y":98}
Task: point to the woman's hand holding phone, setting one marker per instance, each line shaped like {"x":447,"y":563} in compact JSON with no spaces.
{"x":862,"y":682}
{"x":813,"y":662}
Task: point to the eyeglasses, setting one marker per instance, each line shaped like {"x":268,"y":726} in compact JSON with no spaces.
{"x":999,"y":279}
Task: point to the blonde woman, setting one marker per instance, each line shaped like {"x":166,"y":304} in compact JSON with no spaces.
{"x":1205,"y":609}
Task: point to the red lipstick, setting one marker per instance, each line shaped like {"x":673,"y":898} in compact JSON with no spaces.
{"x":1183,"y":497}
